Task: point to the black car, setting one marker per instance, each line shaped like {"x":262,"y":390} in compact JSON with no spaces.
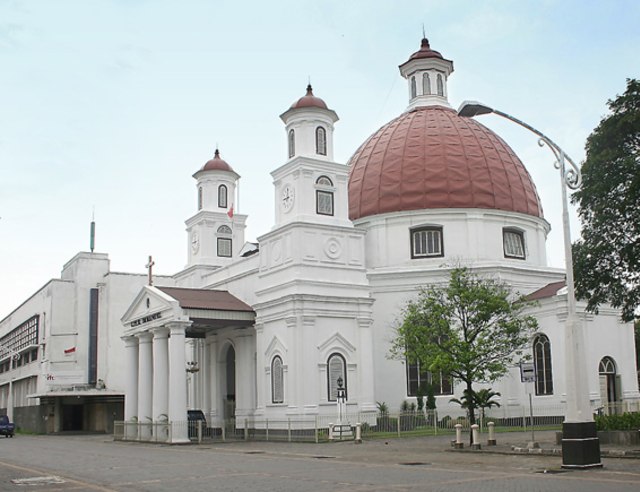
{"x":7,"y":428}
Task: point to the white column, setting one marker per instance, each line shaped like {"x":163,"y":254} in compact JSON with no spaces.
{"x":367,"y":401}
{"x":131,"y":379}
{"x":178,"y":383}
{"x":145,"y":383}
{"x":205,"y":380}
{"x":263,"y":382}
{"x":213,"y":378}
{"x":160,"y":374}
{"x":191,"y":376}
{"x":244,"y":365}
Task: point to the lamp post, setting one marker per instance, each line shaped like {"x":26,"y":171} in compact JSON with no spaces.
{"x":580,"y":444}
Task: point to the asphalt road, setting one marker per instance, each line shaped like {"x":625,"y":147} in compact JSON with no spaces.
{"x":96,"y":463}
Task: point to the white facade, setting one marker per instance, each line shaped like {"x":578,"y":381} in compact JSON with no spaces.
{"x":325,"y":295}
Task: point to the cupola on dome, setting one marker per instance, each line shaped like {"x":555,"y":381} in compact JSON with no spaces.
{"x":431,"y":158}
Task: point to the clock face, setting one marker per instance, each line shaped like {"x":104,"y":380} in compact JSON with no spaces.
{"x":287,"y":198}
{"x":195,"y":242}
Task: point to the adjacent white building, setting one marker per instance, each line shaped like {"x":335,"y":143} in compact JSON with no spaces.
{"x":266,"y":330}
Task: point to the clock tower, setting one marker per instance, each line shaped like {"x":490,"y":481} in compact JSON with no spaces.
{"x":216,"y":232}
{"x":310,"y":186}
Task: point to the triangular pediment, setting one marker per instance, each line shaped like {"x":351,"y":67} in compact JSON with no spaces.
{"x":275,"y":346}
{"x":151,"y":308}
{"x":337,"y":340}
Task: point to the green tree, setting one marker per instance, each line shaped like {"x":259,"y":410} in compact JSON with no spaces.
{"x":607,"y":255}
{"x":484,"y":399}
{"x":472,"y":328}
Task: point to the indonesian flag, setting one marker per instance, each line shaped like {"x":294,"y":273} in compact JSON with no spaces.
{"x":230,"y":212}
{"x":69,"y":351}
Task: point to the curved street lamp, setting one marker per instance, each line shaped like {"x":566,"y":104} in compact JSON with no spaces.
{"x":580,"y":444}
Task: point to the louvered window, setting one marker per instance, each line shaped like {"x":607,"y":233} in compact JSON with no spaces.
{"x":426,"y":242}
{"x":321,"y":141}
{"x":513,"y":244}
{"x":277,"y":380}
{"x":324,"y":196}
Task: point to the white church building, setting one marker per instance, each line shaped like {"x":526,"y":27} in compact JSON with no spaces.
{"x":265,"y":330}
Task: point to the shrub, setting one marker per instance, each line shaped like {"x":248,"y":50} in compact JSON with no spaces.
{"x":626,"y":421}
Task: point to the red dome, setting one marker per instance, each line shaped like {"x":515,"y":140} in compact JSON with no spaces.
{"x":309,"y":100}
{"x":217,"y":164}
{"x":425,"y":51}
{"x":431,"y":158}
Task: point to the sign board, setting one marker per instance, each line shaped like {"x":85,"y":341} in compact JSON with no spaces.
{"x":527,"y":372}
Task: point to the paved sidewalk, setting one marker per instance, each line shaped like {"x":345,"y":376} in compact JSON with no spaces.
{"x":520,"y":443}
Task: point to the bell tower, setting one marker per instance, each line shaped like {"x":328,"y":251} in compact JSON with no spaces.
{"x":216,"y":232}
{"x":310,"y":186}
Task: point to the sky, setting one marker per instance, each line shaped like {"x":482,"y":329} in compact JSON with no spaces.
{"x":109,"y":107}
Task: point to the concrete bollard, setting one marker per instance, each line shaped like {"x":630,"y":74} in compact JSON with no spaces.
{"x":330,"y":432}
{"x":475,"y":437}
{"x":458,"y":444}
{"x":492,"y":436}
{"x":358,"y":433}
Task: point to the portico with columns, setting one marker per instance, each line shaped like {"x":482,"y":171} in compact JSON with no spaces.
{"x":182,"y":348}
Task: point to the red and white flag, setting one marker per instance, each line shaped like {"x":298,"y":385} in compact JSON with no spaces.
{"x":69,"y":351}
{"x":230,"y":212}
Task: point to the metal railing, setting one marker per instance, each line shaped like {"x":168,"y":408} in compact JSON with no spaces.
{"x":372,"y":424}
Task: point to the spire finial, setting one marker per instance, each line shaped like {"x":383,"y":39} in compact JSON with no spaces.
{"x":92,"y":232}
{"x":424,"y":36}
{"x":216,"y":154}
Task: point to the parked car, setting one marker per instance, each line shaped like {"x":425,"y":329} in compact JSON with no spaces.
{"x":7,"y":429}
{"x":193,"y":417}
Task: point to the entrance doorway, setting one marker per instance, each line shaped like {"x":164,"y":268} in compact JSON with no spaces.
{"x":72,"y":417}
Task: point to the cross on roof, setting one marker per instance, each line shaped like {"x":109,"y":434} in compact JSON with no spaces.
{"x":149,"y":266}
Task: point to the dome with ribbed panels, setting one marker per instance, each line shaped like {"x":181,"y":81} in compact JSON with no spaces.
{"x":431,"y":158}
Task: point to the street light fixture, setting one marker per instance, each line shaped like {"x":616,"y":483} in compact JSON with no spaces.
{"x":580,"y":444}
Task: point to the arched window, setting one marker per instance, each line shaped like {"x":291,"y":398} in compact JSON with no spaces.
{"x":336,"y":369}
{"x":542,"y":364}
{"x":224,"y":241}
{"x":413,"y":87}
{"x":610,"y":390}
{"x":222,"y":196}
{"x":200,"y":198}
{"x":321,"y":141}
{"x":292,"y":143}
{"x":277,"y":380}
{"x":426,"y":84}
{"x":324,"y":196}
{"x":440,"y":85}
